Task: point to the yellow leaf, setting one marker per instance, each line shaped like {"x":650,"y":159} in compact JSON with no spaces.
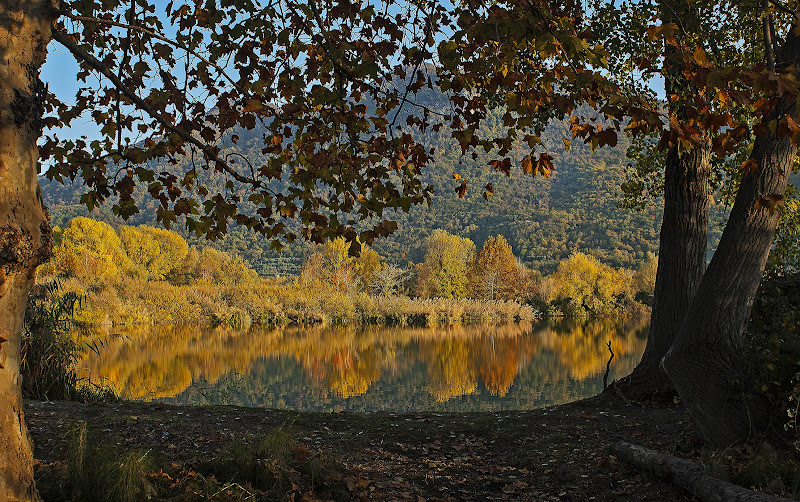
{"x":527,"y":165}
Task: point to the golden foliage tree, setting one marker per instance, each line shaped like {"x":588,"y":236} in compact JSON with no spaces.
{"x":445,"y":273}
{"x":496,"y":274}
{"x":89,"y":249}
{"x":155,"y":250}
{"x":332,"y":264}
{"x":588,"y":285}
{"x":644,"y":279}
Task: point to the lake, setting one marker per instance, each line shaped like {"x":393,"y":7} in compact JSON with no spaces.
{"x":455,"y":368}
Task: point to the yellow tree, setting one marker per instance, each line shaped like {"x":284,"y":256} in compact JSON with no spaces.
{"x":589,"y":285}
{"x":332,"y":264}
{"x":219,"y":267}
{"x":496,"y":275}
{"x":644,"y":279}
{"x":446,"y":270}
{"x":90,"y":249}
{"x":157,"y":251}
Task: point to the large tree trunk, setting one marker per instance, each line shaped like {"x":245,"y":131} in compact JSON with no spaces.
{"x":684,"y":227}
{"x":706,"y":362}
{"x":25,"y":236}
{"x":681,"y":263}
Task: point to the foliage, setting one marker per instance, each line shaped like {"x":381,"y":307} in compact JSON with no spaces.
{"x":210,"y":286}
{"x":785,"y":253}
{"x":90,"y":248}
{"x":543,"y":219}
{"x":583,"y":285}
{"x":496,"y":273}
{"x":445,"y":273}
{"x":389,"y":280}
{"x":282,"y":66}
{"x":644,"y":279}
{"x":353,"y":140}
{"x":49,"y":353}
{"x":333,"y":265}
{"x":51,"y":347}
{"x":774,"y":347}
{"x":156,"y":251}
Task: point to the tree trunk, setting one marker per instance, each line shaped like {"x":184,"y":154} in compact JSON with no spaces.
{"x":684,"y":227}
{"x":688,"y":475}
{"x":25,"y":237}
{"x":706,"y":362}
{"x":681,"y":263}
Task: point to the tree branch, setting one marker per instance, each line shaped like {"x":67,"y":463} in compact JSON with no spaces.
{"x":767,"y":35}
{"x":82,"y":55}
{"x":688,"y":475}
{"x":117,"y":24}
{"x":781,"y":7}
{"x":339,"y":68}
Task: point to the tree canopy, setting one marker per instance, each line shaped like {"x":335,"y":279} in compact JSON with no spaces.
{"x":339,"y":87}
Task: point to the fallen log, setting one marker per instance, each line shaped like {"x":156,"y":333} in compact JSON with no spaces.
{"x":688,"y":475}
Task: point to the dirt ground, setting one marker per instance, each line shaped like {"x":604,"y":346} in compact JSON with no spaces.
{"x":558,"y":453}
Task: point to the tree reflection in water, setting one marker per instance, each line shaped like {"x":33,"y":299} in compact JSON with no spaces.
{"x":549,"y":362}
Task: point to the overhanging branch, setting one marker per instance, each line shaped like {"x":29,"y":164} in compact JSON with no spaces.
{"x":93,"y":62}
{"x":174,"y":43}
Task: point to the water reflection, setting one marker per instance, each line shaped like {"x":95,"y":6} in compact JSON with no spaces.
{"x":458,"y":368}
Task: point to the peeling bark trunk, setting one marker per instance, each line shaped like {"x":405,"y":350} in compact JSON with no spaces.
{"x":25,"y":237}
{"x":706,"y":361}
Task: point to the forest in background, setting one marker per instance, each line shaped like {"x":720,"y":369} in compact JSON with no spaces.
{"x":545,"y":220}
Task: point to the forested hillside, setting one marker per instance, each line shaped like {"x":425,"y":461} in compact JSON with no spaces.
{"x":544,"y":219}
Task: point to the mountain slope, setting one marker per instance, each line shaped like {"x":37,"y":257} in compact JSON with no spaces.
{"x":544,"y":220}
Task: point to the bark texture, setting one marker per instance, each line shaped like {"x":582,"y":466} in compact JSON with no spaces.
{"x":25,"y":237}
{"x":688,"y":475}
{"x":684,"y":227}
{"x":681,"y":263}
{"x":706,"y":363}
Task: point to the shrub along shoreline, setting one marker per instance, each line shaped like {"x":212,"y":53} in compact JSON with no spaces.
{"x":145,"y":275}
{"x":275,"y":302}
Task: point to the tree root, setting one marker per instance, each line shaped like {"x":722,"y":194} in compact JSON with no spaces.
{"x":688,"y":475}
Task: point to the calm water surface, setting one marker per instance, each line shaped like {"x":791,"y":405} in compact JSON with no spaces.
{"x":460,"y":368}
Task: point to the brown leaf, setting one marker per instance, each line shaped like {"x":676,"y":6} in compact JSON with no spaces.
{"x":461,"y":190}
{"x":749,"y":166}
{"x":527,"y":165}
{"x":770,"y":202}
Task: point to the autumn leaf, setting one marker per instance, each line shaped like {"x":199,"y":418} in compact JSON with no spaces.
{"x":749,"y":166}
{"x":527,"y":165}
{"x":700,"y":56}
{"x":607,"y":137}
{"x":770,"y":202}
{"x":461,"y":190}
